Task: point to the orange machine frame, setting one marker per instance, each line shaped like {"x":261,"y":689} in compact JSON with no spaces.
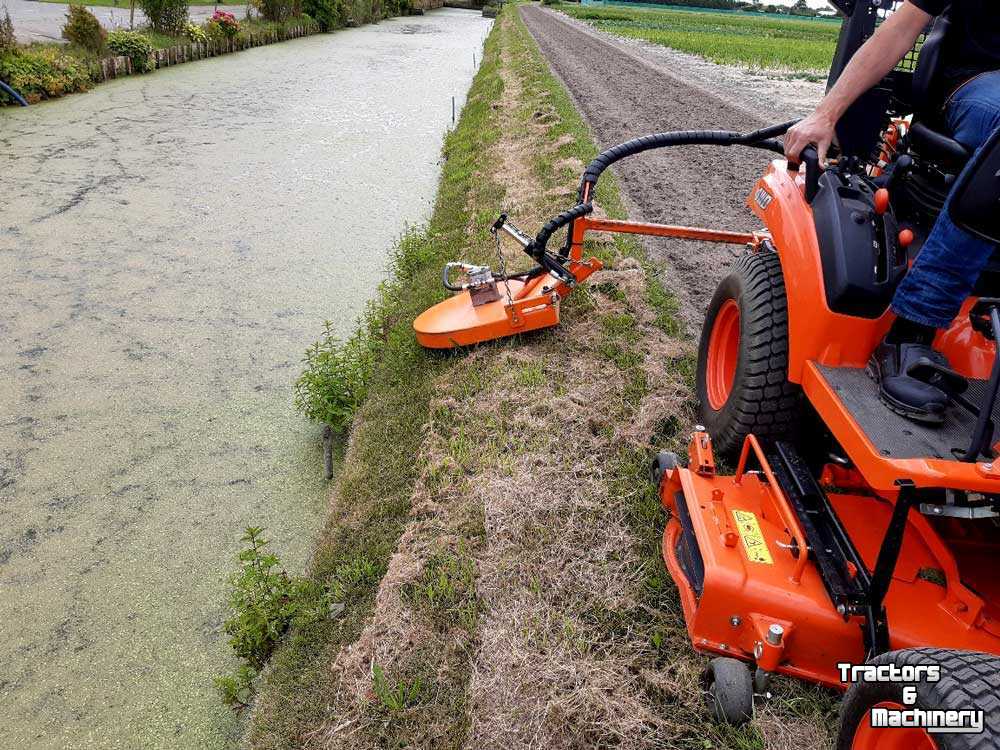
{"x":742,"y":597}
{"x":819,"y":336}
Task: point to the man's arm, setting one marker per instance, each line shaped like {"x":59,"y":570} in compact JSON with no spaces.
{"x":870,"y":64}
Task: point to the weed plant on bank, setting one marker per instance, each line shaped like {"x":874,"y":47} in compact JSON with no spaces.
{"x":801,"y":46}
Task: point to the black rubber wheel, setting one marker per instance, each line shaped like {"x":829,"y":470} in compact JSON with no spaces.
{"x":968,"y":680}
{"x":746,"y":328}
{"x":729,"y":690}
{"x":665,"y":461}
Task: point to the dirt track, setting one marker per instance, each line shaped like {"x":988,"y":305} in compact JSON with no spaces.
{"x":624,"y":91}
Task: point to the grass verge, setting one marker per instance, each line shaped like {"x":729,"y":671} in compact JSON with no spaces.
{"x":493,"y":520}
{"x":799,"y":46}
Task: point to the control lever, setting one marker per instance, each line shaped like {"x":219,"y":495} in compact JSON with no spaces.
{"x":810,"y":157}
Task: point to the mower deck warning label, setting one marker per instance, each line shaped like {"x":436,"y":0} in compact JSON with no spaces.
{"x":753,"y":539}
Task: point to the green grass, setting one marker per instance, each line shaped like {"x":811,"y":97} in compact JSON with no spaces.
{"x":793,"y":45}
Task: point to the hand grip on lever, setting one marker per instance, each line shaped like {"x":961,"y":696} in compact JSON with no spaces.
{"x":810,"y":157}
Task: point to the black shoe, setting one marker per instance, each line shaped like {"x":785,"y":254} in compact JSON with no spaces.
{"x":914,"y":380}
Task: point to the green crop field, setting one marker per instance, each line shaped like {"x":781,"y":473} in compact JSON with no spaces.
{"x":792,"y":45}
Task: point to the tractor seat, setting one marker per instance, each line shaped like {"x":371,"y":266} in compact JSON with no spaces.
{"x":939,"y":148}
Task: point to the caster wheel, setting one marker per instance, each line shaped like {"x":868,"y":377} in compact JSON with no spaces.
{"x":729,"y":690}
{"x":665,"y":461}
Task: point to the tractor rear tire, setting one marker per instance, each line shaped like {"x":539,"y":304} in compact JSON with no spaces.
{"x":729,"y":690}
{"x":968,"y":680}
{"x":742,"y":377}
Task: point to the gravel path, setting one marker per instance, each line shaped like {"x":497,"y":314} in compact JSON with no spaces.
{"x":42,"y":22}
{"x":625,"y":89}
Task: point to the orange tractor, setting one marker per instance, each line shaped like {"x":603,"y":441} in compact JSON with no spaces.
{"x":846,"y":533}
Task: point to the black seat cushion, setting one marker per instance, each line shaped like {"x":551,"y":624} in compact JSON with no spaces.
{"x":936,"y":146}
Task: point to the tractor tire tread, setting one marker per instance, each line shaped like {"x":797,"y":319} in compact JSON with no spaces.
{"x":969,"y":679}
{"x":763,"y":401}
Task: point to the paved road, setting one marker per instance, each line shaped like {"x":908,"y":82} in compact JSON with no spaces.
{"x":169,"y":246}
{"x":42,"y":22}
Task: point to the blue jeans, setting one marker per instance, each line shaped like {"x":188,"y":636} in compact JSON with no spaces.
{"x":951,"y":259}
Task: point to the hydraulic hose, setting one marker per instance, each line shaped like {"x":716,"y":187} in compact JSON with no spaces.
{"x":762,"y":138}
{"x":13,"y":94}
{"x":765,"y":138}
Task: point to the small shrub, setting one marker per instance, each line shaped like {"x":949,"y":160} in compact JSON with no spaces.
{"x":326,"y":13}
{"x":166,"y":16}
{"x":265,"y":601}
{"x":222,"y":24}
{"x":44,"y":72}
{"x":83,"y":28}
{"x":7,"y":39}
{"x":195,"y":33}
{"x":334,"y":382}
{"x":134,"y":46}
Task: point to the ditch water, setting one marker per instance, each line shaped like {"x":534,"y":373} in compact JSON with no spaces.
{"x":169,"y":245}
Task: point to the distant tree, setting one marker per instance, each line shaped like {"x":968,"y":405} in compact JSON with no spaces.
{"x":7,"y":39}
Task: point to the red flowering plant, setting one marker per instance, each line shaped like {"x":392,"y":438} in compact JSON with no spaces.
{"x":225,"y":23}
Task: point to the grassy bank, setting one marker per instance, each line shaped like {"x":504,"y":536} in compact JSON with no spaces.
{"x":493,"y":530}
{"x":785,"y":44}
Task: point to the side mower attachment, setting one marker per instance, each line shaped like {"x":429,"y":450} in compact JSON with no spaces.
{"x":493,"y":305}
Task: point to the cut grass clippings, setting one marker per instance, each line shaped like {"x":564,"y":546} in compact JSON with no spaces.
{"x":494,"y":529}
{"x":800,"y":46}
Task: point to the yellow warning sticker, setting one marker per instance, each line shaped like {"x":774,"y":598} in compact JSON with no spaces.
{"x":753,"y":539}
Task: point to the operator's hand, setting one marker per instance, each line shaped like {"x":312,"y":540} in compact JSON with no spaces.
{"x":817,"y":129}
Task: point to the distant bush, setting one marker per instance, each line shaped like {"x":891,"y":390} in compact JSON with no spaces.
{"x":222,"y":24}
{"x":7,"y":39}
{"x":195,"y":33}
{"x":134,"y":46}
{"x":278,"y":10}
{"x":83,"y":28}
{"x":326,"y":13}
{"x":44,"y":72}
{"x":166,"y":16}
